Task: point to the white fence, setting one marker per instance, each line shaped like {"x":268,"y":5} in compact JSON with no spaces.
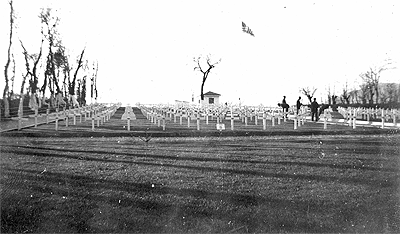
{"x":97,"y":113}
{"x":158,"y":114}
{"x":352,"y":117}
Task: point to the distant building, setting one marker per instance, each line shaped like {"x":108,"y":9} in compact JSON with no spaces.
{"x":211,"y":98}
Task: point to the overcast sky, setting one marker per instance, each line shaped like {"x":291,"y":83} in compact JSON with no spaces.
{"x":145,"y":49}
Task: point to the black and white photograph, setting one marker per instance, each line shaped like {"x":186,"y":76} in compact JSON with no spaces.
{"x":221,"y":116}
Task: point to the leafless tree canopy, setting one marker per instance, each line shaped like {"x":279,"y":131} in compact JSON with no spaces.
{"x":205,"y":70}
{"x":308,"y":92}
{"x":371,"y":80}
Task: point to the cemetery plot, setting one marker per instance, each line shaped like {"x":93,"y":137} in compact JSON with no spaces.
{"x":99,"y":113}
{"x":201,"y":184}
{"x":224,"y":121}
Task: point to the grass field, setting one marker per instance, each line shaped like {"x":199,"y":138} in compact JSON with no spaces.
{"x":326,"y":183}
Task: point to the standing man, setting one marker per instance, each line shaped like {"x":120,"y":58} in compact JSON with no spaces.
{"x":285,"y":106}
{"x":298,"y":105}
{"x":314,"y":110}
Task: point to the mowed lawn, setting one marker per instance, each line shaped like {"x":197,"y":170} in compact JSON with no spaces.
{"x":202,"y":184}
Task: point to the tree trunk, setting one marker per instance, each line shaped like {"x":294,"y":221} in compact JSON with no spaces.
{"x":6,"y":88}
{"x":6,"y":107}
{"x":21,"y":106}
{"x":72,"y":84}
{"x":202,"y":91}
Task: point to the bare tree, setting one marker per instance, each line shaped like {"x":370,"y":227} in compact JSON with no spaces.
{"x":61,"y":62}
{"x":308,"y":92}
{"x":33,"y":81}
{"x":334,"y":99}
{"x":328,"y":91}
{"x":389,"y":93}
{"x":354,"y":96}
{"x":365,"y":93}
{"x":51,"y":23}
{"x":345,"y":96}
{"x":28,"y":72}
{"x":93,"y":82}
{"x":83,"y":91}
{"x":205,"y":72}
{"x":371,"y":79}
{"x":12,"y":77}
{"x":72,"y":84}
{"x":6,"y":95}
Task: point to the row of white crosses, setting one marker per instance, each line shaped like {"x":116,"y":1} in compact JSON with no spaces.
{"x":98,"y":112}
{"x":103,"y":114}
{"x":386,"y":115}
{"x":158,"y":113}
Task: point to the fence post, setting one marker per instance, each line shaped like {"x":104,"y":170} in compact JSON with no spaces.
{"x":383,"y":119}
{"x":92,"y":122}
{"x":198,"y":121}
{"x":36,"y":116}
{"x":300,"y":120}
{"x":368,"y":114}
{"x":325,"y":120}
{"x":128,"y":119}
{"x":273,"y":119}
{"x":264,"y":121}
{"x":66,"y":118}
{"x":180,"y":117}
{"x":232,"y":120}
{"x":351,"y":117}
{"x":284,"y":115}
{"x":163,"y":122}
{"x":47,"y":116}
{"x":295,"y":122}
{"x":279,"y":119}
{"x":188,"y":120}
{"x":57,"y":119}
{"x":175,"y":111}
{"x":98,"y":120}
{"x":207,"y":117}
{"x":19,"y":122}
{"x":256,"y":118}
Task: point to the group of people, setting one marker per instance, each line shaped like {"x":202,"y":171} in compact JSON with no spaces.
{"x":314,"y":108}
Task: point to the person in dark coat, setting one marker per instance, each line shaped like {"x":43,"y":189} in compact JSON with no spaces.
{"x":285,"y":106}
{"x":298,"y":105}
{"x":314,"y":110}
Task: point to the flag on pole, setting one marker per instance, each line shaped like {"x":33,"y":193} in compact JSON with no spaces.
{"x":246,"y":29}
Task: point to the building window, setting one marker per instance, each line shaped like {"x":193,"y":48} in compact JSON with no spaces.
{"x":210,"y":100}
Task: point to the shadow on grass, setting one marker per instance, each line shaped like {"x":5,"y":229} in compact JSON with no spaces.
{"x":200,"y":159}
{"x":392,"y":181}
{"x":255,"y":213}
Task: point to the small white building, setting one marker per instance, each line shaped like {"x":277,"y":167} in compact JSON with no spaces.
{"x":211,"y":98}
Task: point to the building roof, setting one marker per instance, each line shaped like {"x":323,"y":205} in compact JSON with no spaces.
{"x":209,"y":93}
